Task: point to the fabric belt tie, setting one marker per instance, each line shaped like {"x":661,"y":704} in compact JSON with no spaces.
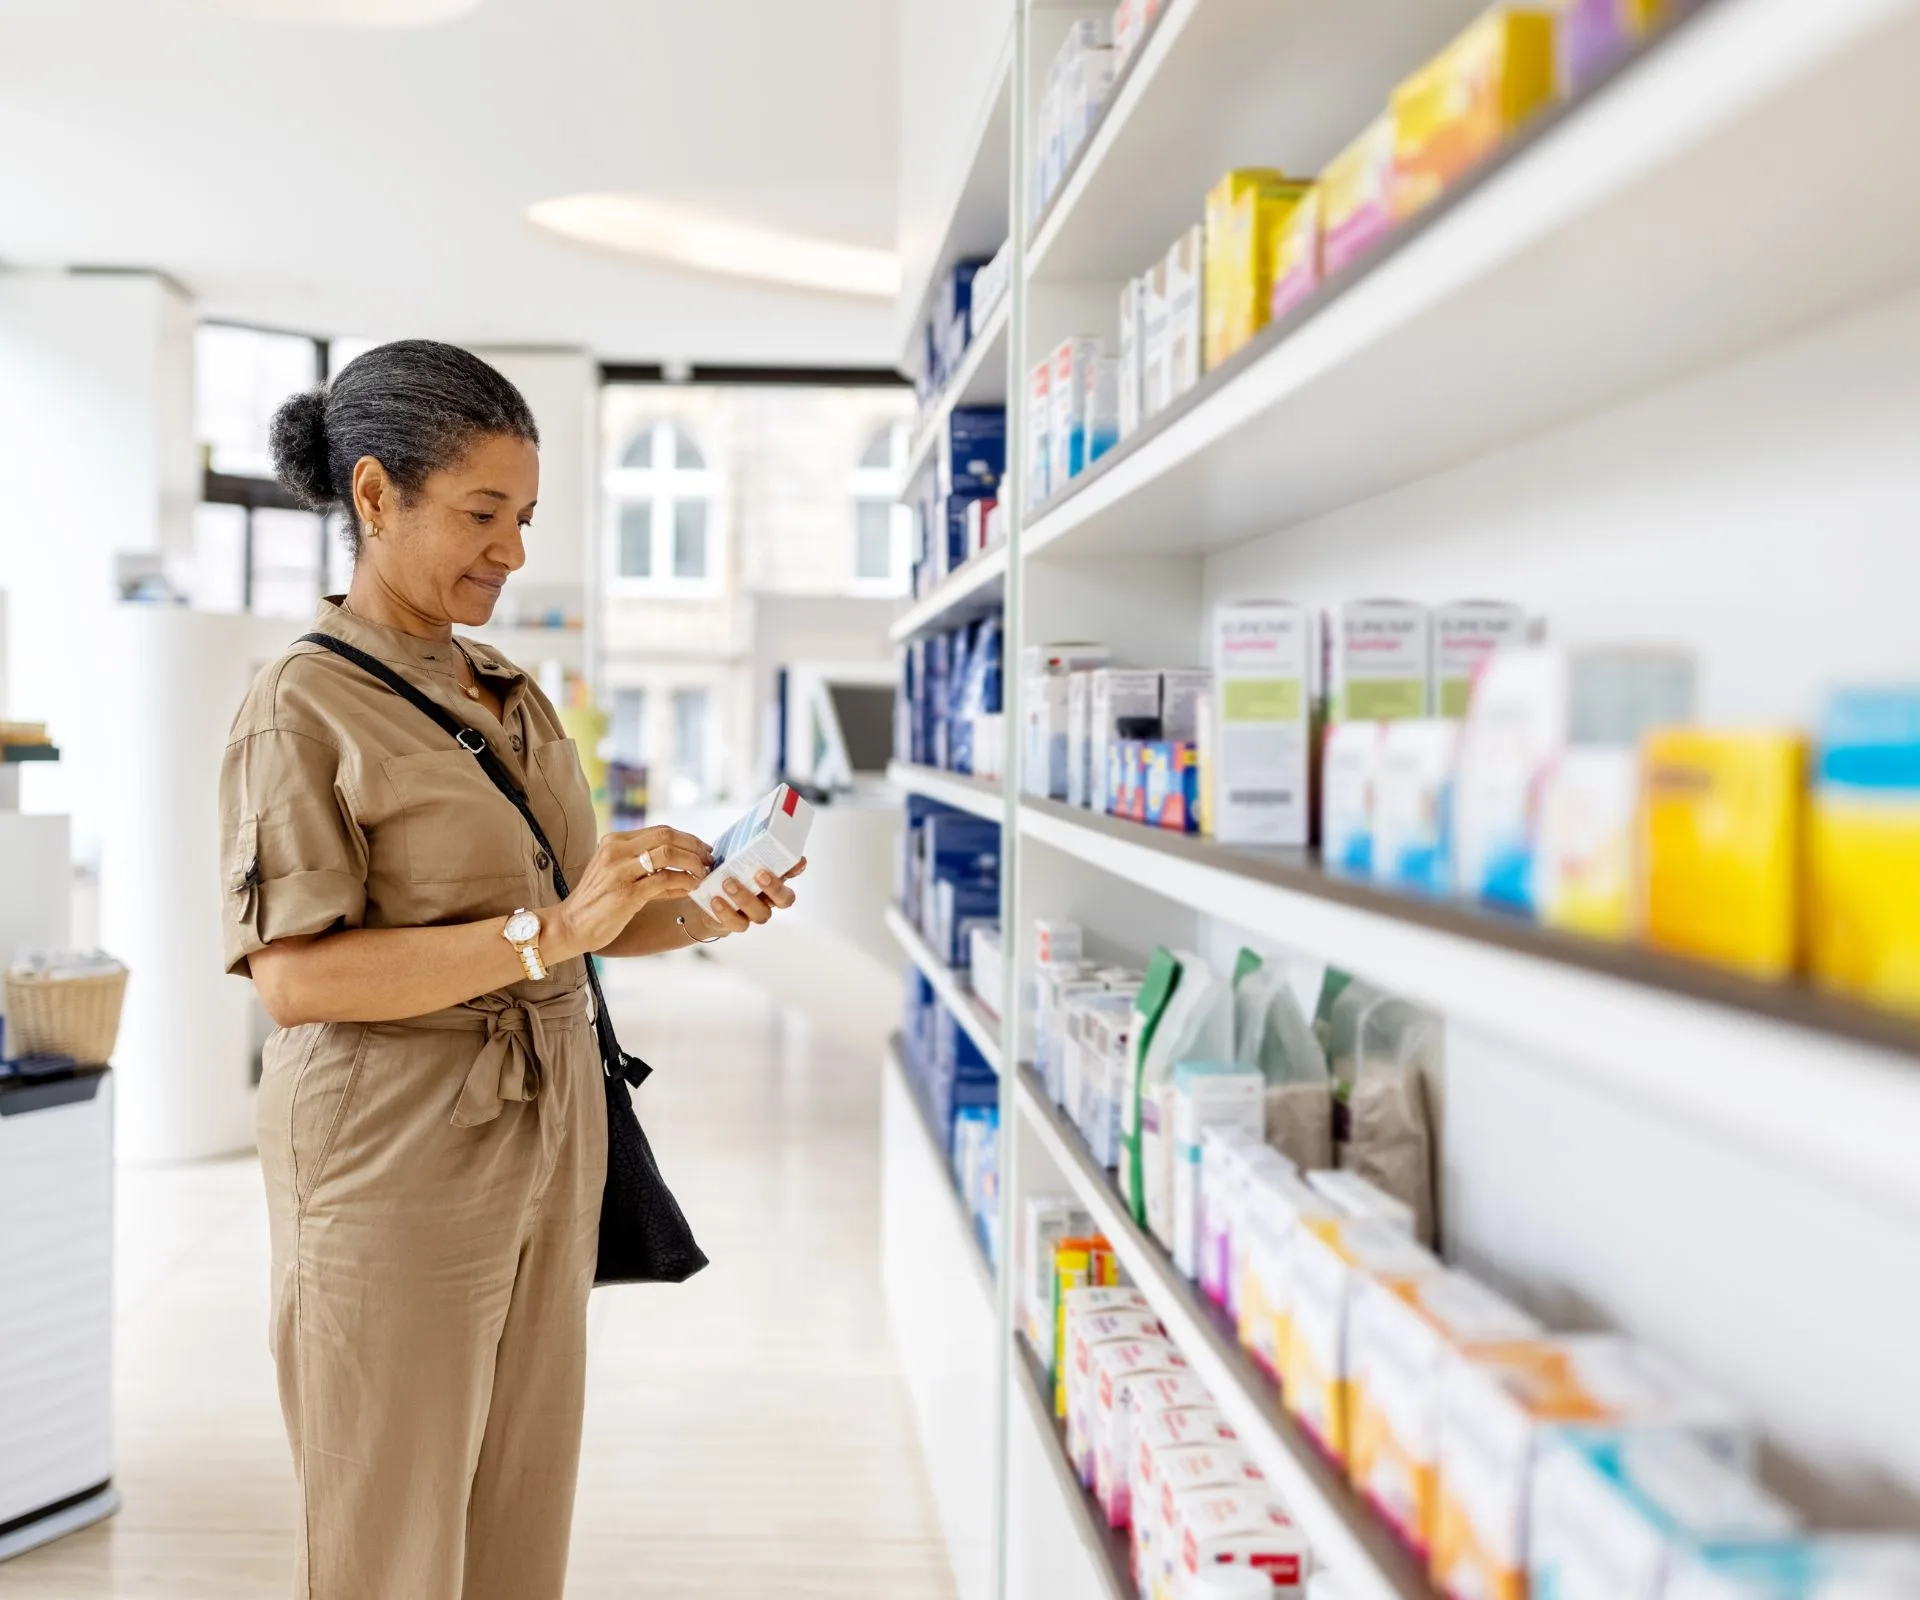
{"x":513,"y":1062}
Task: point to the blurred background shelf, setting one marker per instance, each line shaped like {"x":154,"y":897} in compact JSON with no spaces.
{"x":981,"y":797}
{"x":981,"y":1027}
{"x":977,"y":589}
{"x":1107,"y":1549}
{"x":980,"y":381}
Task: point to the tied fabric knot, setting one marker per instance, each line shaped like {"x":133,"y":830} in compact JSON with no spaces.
{"x":511,"y":1065}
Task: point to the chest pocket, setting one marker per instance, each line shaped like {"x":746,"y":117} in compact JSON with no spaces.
{"x":458,"y":827}
{"x":558,"y":763}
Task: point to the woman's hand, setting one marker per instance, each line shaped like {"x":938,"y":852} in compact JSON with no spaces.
{"x":616,"y":885}
{"x":740,"y":908}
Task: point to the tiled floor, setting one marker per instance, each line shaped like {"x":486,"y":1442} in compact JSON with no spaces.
{"x":746,"y":1433}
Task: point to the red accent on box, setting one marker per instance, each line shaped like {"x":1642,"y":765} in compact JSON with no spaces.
{"x":792,"y":800}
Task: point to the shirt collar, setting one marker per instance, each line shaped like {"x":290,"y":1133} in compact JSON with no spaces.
{"x":407,"y":650}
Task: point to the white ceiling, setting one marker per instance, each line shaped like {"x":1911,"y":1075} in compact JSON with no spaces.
{"x":375,"y":182}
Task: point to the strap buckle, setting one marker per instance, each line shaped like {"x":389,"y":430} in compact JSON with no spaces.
{"x":479,"y":740}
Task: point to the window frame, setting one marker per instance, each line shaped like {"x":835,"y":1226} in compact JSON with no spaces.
{"x":874,"y":485}
{"x":664,"y":487}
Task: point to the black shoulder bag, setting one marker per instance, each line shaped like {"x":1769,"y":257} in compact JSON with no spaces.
{"x":644,"y":1238}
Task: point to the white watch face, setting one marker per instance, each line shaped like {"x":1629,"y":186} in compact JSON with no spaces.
{"x":523,"y":927}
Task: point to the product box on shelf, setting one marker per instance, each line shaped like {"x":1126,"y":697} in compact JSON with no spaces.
{"x":1465,"y":634}
{"x":1400,"y":1332}
{"x":972,"y":452}
{"x":978,"y":513}
{"x":1863,"y":857}
{"x":1586,"y":876}
{"x":1156,"y":371}
{"x":1837,"y":1567}
{"x":1129,"y":398}
{"x":1259,"y":757}
{"x":1067,"y":394}
{"x":1209,"y":1097}
{"x":1080,"y":737}
{"x":1173,"y":1471}
{"x":1186,"y":311}
{"x":1181,"y":691}
{"x":1356,"y":198}
{"x":1056,"y":987}
{"x":1160,"y":1435}
{"x":985,"y":969}
{"x":1243,"y":212}
{"x":1224,"y":1153}
{"x":1412,"y":797}
{"x":1085,"y":1335}
{"x":1126,"y":780}
{"x":1468,"y":101}
{"x":1086,"y":82}
{"x":1593,"y":34}
{"x":1081,"y":1264}
{"x":1349,"y":778}
{"x":1724,"y":817}
{"x":1502,"y":1404}
{"x":1241,"y":1528}
{"x":1614,"y":1514}
{"x":1099,"y":1088}
{"x":1041,"y":479}
{"x":1529,"y":704}
{"x":1044,"y":671}
{"x":1115,"y":694}
{"x":1170,"y":785}
{"x":1296,"y":253}
{"x":989,"y":285}
{"x":1146,"y":1399}
{"x":1276,"y":1206}
{"x":1330,"y":1261}
{"x":1380,"y":661}
{"x":1045,"y":1219}
{"x":1118,"y":1369}
{"x":1131,"y":21}
{"x":1101,"y":406}
{"x":1355,"y":1199}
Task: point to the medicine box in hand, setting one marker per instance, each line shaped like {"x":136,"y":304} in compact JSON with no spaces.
{"x":770,"y":838}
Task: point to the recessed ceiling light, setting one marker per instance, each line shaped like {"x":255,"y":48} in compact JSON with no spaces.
{"x":346,"y":13}
{"x":708,"y":244}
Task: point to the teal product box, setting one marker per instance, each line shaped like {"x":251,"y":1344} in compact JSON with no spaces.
{"x":1412,"y":805}
{"x":1170,"y":785}
{"x":1841,"y":1567}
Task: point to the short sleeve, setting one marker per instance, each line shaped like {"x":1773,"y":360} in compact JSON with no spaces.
{"x":293,"y":859}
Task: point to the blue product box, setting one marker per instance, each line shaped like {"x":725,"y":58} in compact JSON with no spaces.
{"x":958,"y":905}
{"x":973,"y":452}
{"x":1169,"y":785}
{"x":957,"y":845}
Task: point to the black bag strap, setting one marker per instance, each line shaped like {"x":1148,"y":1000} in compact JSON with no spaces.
{"x":615,"y":1061}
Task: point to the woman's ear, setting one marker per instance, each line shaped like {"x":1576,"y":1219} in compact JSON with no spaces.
{"x":374,"y":496}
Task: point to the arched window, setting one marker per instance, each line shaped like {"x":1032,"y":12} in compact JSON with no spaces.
{"x":660,"y":501}
{"x":882,"y":527}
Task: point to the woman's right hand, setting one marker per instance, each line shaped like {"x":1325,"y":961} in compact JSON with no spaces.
{"x":616,"y":885}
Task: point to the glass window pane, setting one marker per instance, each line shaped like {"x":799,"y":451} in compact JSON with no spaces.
{"x":639,"y":451}
{"x":879,"y":451}
{"x":630,"y":726}
{"x":686,"y":454}
{"x":690,"y":539}
{"x":690,"y":735}
{"x":636,"y":539}
{"x":873,"y":539}
{"x":240,"y":376}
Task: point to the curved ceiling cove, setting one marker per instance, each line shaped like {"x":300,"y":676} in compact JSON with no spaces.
{"x":345,"y":13}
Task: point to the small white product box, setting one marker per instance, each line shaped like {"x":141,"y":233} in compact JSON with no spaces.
{"x":1040,"y":481}
{"x":1117,"y":1368}
{"x":1275,"y":1206}
{"x":1177,"y":1470}
{"x":1186,"y":321}
{"x":1240,"y":1528}
{"x":1380,"y":655}
{"x":1585,"y":861}
{"x":770,"y":838}
{"x":1067,"y":396}
{"x":1207,"y":1096}
{"x":1057,"y":940}
{"x":1156,"y":374}
{"x":1079,"y":737}
{"x":1349,"y":781}
{"x":1083,"y":1339}
{"x":1358,"y":1200}
{"x":985,"y":971}
{"x":1116,"y":693}
{"x":1181,"y":691}
{"x":1132,"y":373}
{"x":1100,"y":406}
{"x":1158,"y":1433}
{"x":1166,"y":1391}
{"x":1465,"y":634}
{"x":1412,"y":805}
{"x":1265,"y":676}
{"x":1044,"y":671}
{"x":1046,"y":1219}
{"x":1861,"y":1566}
{"x":1613,"y":1514}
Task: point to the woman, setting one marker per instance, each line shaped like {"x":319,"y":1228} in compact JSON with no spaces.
{"x":432,"y":1123}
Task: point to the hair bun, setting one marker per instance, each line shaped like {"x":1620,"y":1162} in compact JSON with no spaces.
{"x":298,"y":439}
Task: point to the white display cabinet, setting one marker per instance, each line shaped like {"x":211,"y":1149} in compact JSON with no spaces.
{"x":1654,"y":374}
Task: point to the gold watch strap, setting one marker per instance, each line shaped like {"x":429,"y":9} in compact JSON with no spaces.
{"x":529,"y":954}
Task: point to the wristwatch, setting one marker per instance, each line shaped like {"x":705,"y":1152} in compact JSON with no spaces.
{"x":523,"y":933}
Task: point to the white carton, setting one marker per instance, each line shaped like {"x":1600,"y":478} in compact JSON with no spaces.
{"x":1186,"y":320}
{"x":1116,"y":693}
{"x":1131,"y":377}
{"x":1380,"y":661}
{"x":1834,"y":1567}
{"x":1176,"y":1470}
{"x":1399,"y":1335}
{"x":1240,"y":1528}
{"x":770,"y":838}
{"x":1040,"y":471}
{"x":1157,"y":1434}
{"x":1118,"y":1369}
{"x":1360,"y":1201}
{"x":985,"y":972}
{"x":1208,"y":1096}
{"x":1156,"y":371}
{"x":1146,"y":1399}
{"x":1349,"y":778}
{"x":1055,"y":939}
{"x":1100,"y":406}
{"x":1224,"y":1156}
{"x":1181,"y":691}
{"x":1412,"y":797}
{"x":1046,"y":1219}
{"x":1079,"y":736}
{"x":1044,"y":671}
{"x":1465,"y":634}
{"x":1084,"y":1337}
{"x":1276,"y":1205}
{"x":1056,"y":985}
{"x":1067,"y":395}
{"x":1265,"y":656}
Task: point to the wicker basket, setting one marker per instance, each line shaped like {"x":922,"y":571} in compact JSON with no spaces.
{"x":78,"y":1017}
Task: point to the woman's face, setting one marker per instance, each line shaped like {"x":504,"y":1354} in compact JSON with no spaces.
{"x":445,"y":553}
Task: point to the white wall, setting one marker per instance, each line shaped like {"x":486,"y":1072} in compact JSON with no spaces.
{"x":563,"y":388}
{"x":96,"y":391}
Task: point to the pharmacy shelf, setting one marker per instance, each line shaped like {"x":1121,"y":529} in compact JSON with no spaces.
{"x":1606,"y":253}
{"x":19,"y":754}
{"x":982,"y":797}
{"x":942,"y":1159}
{"x":1343,"y":1533}
{"x":1220,"y":84}
{"x":981,"y":381}
{"x":975,"y":224}
{"x":981,"y":1027}
{"x":1809,"y":1079}
{"x":1108,"y":1547}
{"x":976,"y":589}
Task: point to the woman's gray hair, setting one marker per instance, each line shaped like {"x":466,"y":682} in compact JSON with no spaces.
{"x":416,"y":406}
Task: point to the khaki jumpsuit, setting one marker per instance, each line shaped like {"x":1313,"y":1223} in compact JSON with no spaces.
{"x":433,"y":1185}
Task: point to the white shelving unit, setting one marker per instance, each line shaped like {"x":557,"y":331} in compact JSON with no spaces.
{"x":1654,"y":373}
{"x":980,"y":381}
{"x":981,"y":1025}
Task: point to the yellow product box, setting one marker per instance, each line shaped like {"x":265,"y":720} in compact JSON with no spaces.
{"x":1465,"y":103}
{"x":1585,"y":877}
{"x":1083,"y":1263}
{"x":1722,"y":823}
{"x":1863,"y":855}
{"x":1295,"y":248}
{"x":1399,"y":1333}
{"x":1330,"y":1261}
{"x":1356,"y":197}
{"x":1502,"y":1405}
{"x":1275,"y":1206}
{"x":1242,"y":212}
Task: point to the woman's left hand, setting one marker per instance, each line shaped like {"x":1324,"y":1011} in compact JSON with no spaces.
{"x":740,"y":908}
